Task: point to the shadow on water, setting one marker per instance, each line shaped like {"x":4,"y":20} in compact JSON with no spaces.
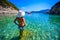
{"x":15,"y":38}
{"x":55,"y":20}
{"x":2,"y":37}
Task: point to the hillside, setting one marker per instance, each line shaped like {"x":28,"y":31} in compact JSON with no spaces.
{"x":6,"y":3}
{"x":55,"y":9}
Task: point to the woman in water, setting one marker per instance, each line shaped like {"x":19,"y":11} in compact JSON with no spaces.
{"x":21,"y":22}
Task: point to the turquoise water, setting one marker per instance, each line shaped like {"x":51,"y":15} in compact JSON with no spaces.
{"x":39,"y":26}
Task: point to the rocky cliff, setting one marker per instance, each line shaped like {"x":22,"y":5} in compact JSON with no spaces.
{"x":7,"y":4}
{"x":55,"y":9}
{"x":7,"y":7}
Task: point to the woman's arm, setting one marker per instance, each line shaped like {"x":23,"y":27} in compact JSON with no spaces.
{"x":15,"y":21}
{"x":24,"y":22}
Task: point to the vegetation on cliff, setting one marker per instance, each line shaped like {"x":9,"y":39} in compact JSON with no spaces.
{"x":6,"y":3}
{"x":55,"y":9}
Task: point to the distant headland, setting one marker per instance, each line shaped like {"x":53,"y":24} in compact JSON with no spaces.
{"x":54,"y":10}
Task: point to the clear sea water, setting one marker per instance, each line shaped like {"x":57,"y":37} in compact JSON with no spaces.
{"x":39,"y":26}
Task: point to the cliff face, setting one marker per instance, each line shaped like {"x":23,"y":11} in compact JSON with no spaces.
{"x":7,"y":4}
{"x":55,"y":9}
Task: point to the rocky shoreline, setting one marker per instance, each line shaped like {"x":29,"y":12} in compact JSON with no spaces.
{"x":7,"y":11}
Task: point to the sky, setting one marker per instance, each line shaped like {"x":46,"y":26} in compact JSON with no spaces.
{"x":33,"y":5}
